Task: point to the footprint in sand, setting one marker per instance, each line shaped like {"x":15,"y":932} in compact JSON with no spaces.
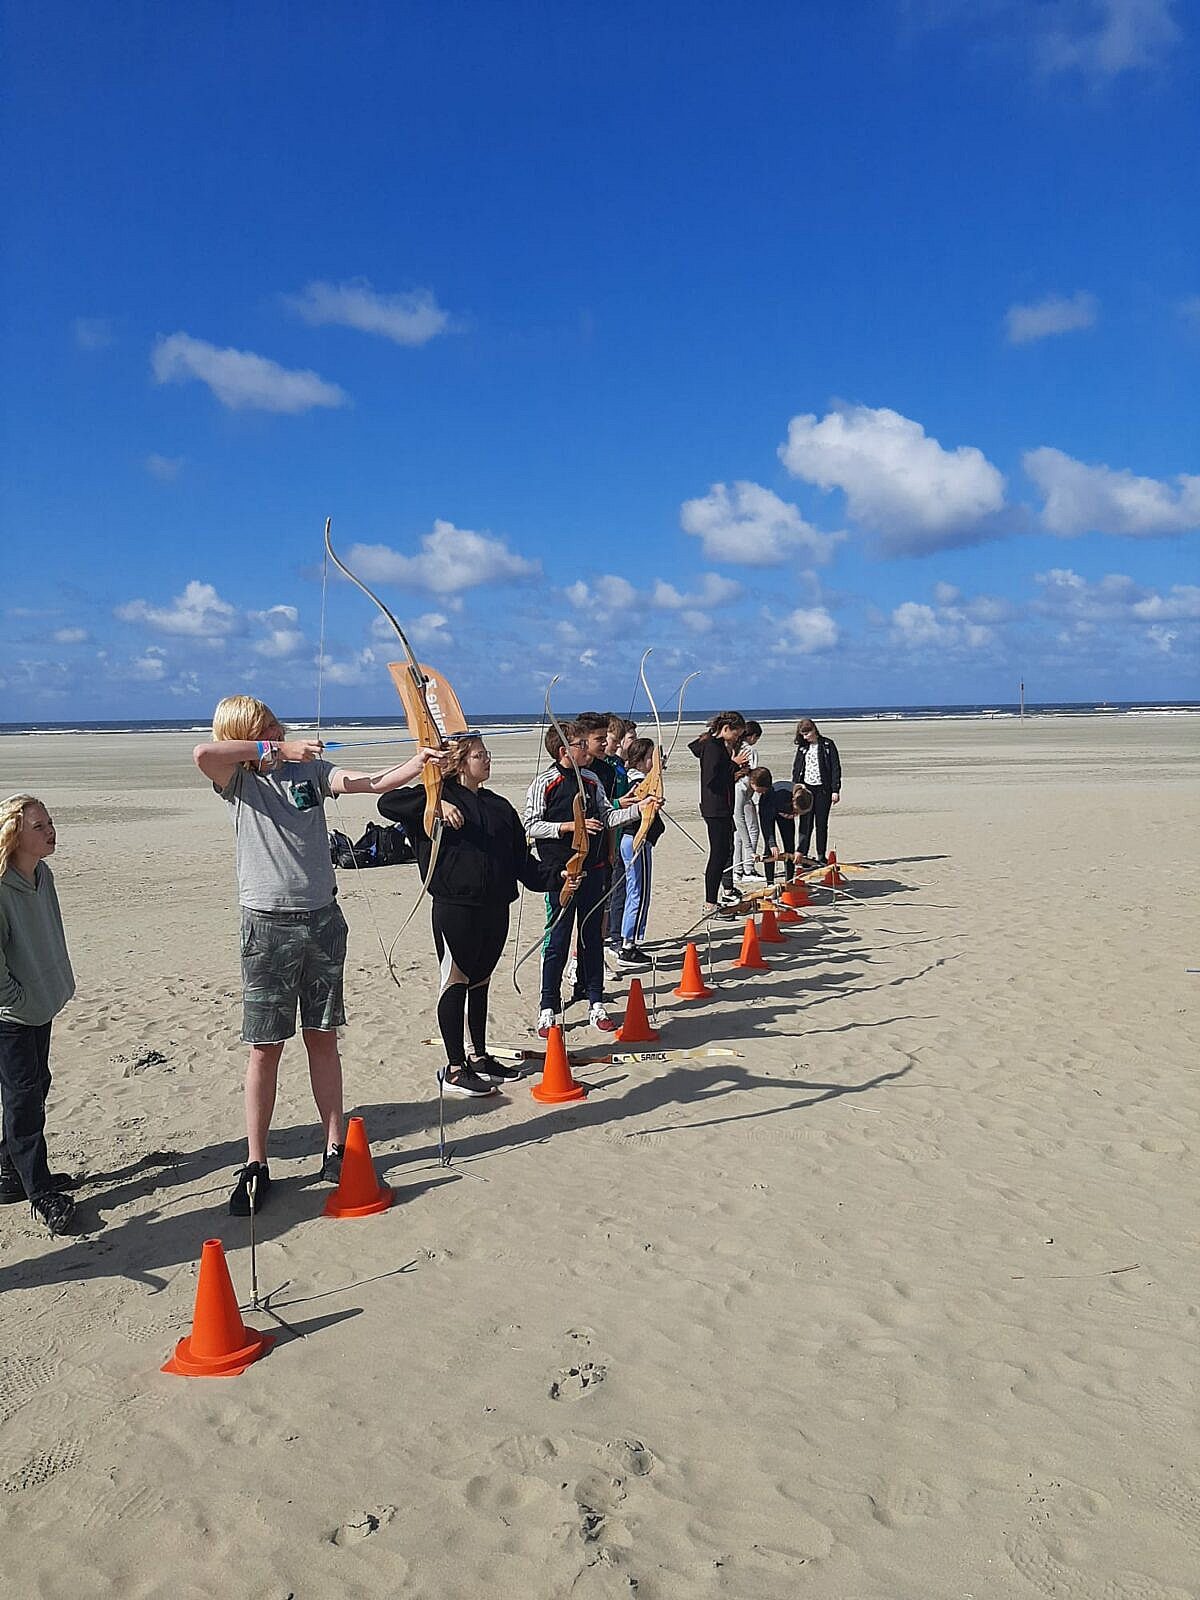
{"x":574,"y":1382}
{"x":362,"y":1526}
{"x":43,"y":1466}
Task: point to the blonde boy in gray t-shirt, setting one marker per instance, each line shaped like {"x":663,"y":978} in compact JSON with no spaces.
{"x":293,"y":931}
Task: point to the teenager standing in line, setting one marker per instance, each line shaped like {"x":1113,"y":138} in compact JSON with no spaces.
{"x":719,"y":771}
{"x":484,"y":857}
{"x":293,"y":930}
{"x":36,"y":982}
{"x":745,"y":814}
{"x":818,"y":767}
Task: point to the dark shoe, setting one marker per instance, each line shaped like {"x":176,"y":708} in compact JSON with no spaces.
{"x":465,"y":1084}
{"x":331,"y":1167}
{"x":256,"y":1173}
{"x":56,"y":1210}
{"x":12,"y":1190}
{"x":493,"y":1071}
{"x":631,"y":957}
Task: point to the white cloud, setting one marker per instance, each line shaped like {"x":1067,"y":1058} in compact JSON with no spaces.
{"x":283,"y":639}
{"x":897,"y":480}
{"x":451,"y":559}
{"x":808,"y":630}
{"x":149,"y":668}
{"x":197,"y":613}
{"x":430,"y":628}
{"x":713,"y":590}
{"x":165,"y":468}
{"x":918,"y":627}
{"x":1083,"y":499}
{"x":92,"y":333}
{"x":696,"y":621}
{"x":358,"y":669}
{"x":1115,"y":607}
{"x":239,"y":379}
{"x":605,"y":593}
{"x":70,"y":635}
{"x":409,"y":319}
{"x":1052,"y":315}
{"x":752,"y":526}
{"x":1109,"y":37}
{"x":945,"y":594}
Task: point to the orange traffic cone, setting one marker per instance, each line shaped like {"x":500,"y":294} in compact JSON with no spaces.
{"x":833,"y":879}
{"x":691,"y":985}
{"x":751,"y":955}
{"x":769,"y":932}
{"x":359,"y":1193}
{"x":557,"y":1084}
{"x":636,"y":1027}
{"x":796,"y":894}
{"x":220,"y":1344}
{"x":788,"y":913}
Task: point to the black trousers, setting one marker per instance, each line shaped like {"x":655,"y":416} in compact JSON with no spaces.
{"x":821,"y":801}
{"x":24,"y":1085}
{"x":719,"y":868}
{"x":577,"y":912}
{"x":786,"y":827}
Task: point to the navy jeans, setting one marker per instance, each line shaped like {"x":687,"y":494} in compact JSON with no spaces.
{"x":24,"y":1085}
{"x":591,"y":943}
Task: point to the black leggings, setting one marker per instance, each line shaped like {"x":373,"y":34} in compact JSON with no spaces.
{"x":822,"y":799}
{"x":469,"y":941}
{"x":719,"y":869}
{"x":786,"y":827}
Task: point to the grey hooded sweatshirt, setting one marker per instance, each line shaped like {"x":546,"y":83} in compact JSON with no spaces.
{"x":36,"y":980}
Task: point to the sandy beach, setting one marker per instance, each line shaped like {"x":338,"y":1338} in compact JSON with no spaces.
{"x":900,"y":1302}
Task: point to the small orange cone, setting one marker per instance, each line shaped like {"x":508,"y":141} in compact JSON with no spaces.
{"x":788,"y":913}
{"x":751,"y":955}
{"x":796,"y":894}
{"x":769,"y":932}
{"x":557,"y":1084}
{"x":691,"y":985}
{"x":359,"y":1193}
{"x":833,"y":879}
{"x":220,"y":1344}
{"x":636,"y":1027}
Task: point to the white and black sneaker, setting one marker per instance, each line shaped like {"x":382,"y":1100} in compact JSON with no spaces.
{"x":464,"y":1084}
{"x":493,"y":1071}
{"x":632,"y":957}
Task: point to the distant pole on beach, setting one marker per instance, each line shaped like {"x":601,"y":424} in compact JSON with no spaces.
{"x":1022,"y":699}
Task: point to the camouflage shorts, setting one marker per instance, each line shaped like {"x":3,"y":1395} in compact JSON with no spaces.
{"x":290,"y":958}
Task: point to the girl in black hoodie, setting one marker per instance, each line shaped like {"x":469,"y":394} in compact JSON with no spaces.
{"x":720,"y":769}
{"x":483,"y":857}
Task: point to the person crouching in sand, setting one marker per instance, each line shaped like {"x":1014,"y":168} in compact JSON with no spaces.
{"x":36,"y":982}
{"x":293,"y":931}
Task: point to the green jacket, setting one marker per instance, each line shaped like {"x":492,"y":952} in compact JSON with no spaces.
{"x":36,"y":980}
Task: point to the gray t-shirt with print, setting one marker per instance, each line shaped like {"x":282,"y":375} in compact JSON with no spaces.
{"x":283,"y":861}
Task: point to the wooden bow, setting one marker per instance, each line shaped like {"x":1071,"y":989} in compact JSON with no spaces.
{"x":581,"y":839}
{"x":650,"y":786}
{"x":431,"y":710}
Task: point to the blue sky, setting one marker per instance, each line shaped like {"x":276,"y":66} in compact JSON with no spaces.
{"x":848,"y":354}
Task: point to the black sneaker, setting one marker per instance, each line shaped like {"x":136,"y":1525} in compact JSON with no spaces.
{"x":493,"y":1071}
{"x":331,"y":1167}
{"x":12,"y":1190}
{"x":631,"y":956}
{"x":56,"y":1210}
{"x":464,"y":1083}
{"x":255,"y":1172}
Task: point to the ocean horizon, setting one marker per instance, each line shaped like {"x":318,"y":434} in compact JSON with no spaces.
{"x":874,"y":713}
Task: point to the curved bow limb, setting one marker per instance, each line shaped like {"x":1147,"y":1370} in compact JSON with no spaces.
{"x":650,"y":787}
{"x":679,"y":716}
{"x":411,"y":681}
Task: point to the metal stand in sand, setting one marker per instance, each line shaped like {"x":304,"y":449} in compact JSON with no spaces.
{"x":263,"y":1304}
